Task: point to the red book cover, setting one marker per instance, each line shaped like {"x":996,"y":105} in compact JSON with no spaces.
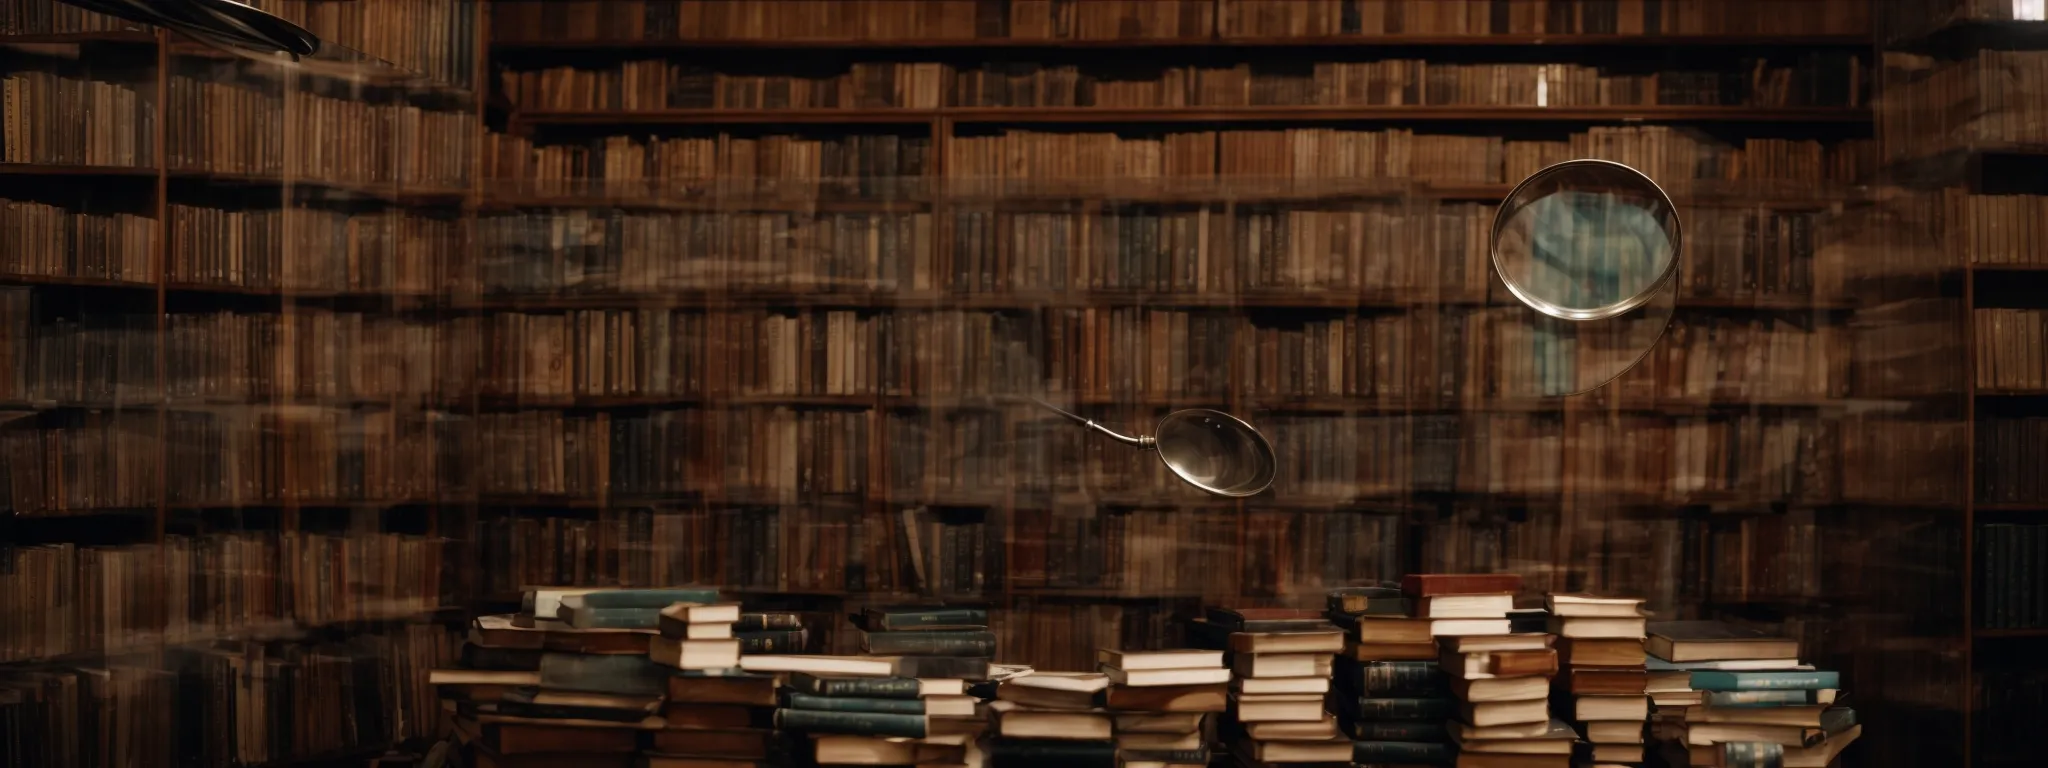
{"x":1432,"y":584}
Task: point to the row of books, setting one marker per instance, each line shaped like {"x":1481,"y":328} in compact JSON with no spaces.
{"x":2007,"y":447}
{"x":2012,"y":348}
{"x":238,"y":703}
{"x":1817,"y":79}
{"x":793,"y":166}
{"x":74,"y":600}
{"x":434,"y":38}
{"x":1994,"y":229}
{"x":1356,"y":249}
{"x":967,"y":20}
{"x":314,"y":250}
{"x":228,"y":128}
{"x":1933,"y":106}
{"x":42,"y":17}
{"x":112,"y":123}
{"x":2010,"y":557}
{"x":54,"y":241}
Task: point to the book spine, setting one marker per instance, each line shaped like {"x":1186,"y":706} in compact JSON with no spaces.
{"x":1399,"y":752}
{"x":1752,"y":754}
{"x":866,"y":687}
{"x":1405,"y":709}
{"x":931,"y":643}
{"x":853,"y":723}
{"x":950,"y":617}
{"x":765,"y":622}
{"x":957,"y":667}
{"x":773,"y":641}
{"x":1400,"y":730}
{"x":1395,"y":678}
{"x":1715,"y":680}
{"x":523,"y":709}
{"x":1767,"y":698}
{"x":851,"y":704}
{"x":614,"y":618}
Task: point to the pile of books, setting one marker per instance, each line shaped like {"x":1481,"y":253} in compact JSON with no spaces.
{"x":1757,"y":705}
{"x":713,"y":710}
{"x":1604,"y":687}
{"x":911,"y":707}
{"x":1389,"y":693}
{"x":569,"y":678}
{"x":1053,"y":718}
{"x":1163,"y":704}
{"x":1499,"y":679}
{"x":1280,"y":663}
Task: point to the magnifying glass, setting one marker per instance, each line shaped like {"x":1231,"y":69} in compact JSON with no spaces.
{"x":1590,"y":250}
{"x":1210,"y":450}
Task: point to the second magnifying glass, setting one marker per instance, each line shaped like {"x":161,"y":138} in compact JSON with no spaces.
{"x":1590,"y":248}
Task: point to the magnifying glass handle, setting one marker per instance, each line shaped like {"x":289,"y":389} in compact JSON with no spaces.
{"x":1135,"y":442}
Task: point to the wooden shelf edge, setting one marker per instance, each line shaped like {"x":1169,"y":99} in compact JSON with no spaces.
{"x":1535,"y":39}
{"x":971,"y":115}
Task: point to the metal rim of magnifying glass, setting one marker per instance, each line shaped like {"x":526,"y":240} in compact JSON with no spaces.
{"x":1616,"y":309}
{"x":1264,"y":446}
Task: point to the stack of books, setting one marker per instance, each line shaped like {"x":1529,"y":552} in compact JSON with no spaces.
{"x":1163,"y":703}
{"x":1757,"y":704}
{"x":1389,"y":693}
{"x":1499,"y":679}
{"x":1604,"y":689}
{"x":856,"y":720}
{"x":773,"y":633}
{"x":930,"y":642}
{"x":568,"y":679}
{"x":1280,"y":662}
{"x":714,"y":712}
{"x":1053,"y":718}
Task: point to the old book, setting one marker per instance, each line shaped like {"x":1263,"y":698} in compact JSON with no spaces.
{"x":683,"y":714}
{"x":1614,"y":731}
{"x":1635,"y":708}
{"x":855,"y":723}
{"x":929,"y":643}
{"x":1282,"y":665}
{"x":1599,"y":681}
{"x":698,"y":621}
{"x":1575,"y":605}
{"x":723,"y":686}
{"x":1682,"y":641}
{"x":1500,"y":689}
{"x":1503,"y":712}
{"x":1485,"y":664}
{"x":1158,"y":722}
{"x":937,"y":706}
{"x":624,"y":675}
{"x":1527,"y":641}
{"x":1500,"y":760}
{"x":827,"y":665}
{"x":517,"y":736}
{"x":1358,"y":651}
{"x":1160,"y":741}
{"x":1600,"y":653}
{"x":875,"y":687}
{"x":1007,"y":752}
{"x":501,"y":631}
{"x":1049,"y":698}
{"x":1279,"y":707}
{"x":1807,"y":715}
{"x":1019,"y":723}
{"x":1169,"y":659}
{"x":1432,"y":584}
{"x":842,"y":749}
{"x":1598,"y":628}
{"x":1332,"y":750}
{"x":1325,"y":728}
{"x":924,"y":618}
{"x":1143,"y":678}
{"x":1465,"y":606}
{"x":1281,"y":684}
{"x":694,"y":654}
{"x":1330,"y":641}
{"x":540,"y":703}
{"x":1168,"y":698}
{"x":1555,"y":738}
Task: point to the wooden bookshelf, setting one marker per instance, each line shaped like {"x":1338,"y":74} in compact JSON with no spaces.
{"x":1310,"y":114}
{"x":508,"y":48}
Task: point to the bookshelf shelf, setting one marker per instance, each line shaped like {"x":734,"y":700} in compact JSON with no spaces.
{"x":128,"y":36}
{"x":517,"y":46}
{"x":1077,"y":299}
{"x":46,"y":169}
{"x":1022,"y":115}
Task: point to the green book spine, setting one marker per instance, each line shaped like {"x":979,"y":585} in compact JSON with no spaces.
{"x":1714,"y":680}
{"x":854,"y":723}
{"x":931,"y":643}
{"x":1751,"y":754}
{"x":850,"y":704}
{"x":1400,"y":678}
{"x":862,"y":687}
{"x":1761,"y":698}
{"x":1406,"y":709}
{"x":894,"y":621}
{"x":773,"y":641}
{"x":655,"y":599}
{"x":1399,"y":730}
{"x":622,"y":674}
{"x":615,"y":618}
{"x":1400,"y":752}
